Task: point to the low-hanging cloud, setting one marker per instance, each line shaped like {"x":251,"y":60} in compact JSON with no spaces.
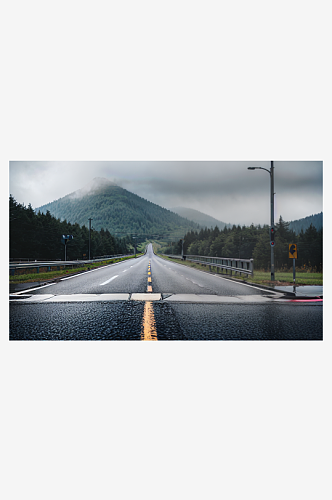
{"x":226,"y":190}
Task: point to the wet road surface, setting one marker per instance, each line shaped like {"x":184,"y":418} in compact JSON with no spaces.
{"x":153,"y":299}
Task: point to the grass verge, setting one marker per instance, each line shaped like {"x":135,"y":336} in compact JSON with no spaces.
{"x":262,"y":277}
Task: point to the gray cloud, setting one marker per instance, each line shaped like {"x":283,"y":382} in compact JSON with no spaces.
{"x":225,"y":190}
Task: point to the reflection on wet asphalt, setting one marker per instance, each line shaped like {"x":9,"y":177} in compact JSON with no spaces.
{"x":239,"y":322}
{"x":123,"y":320}
{"x":76,"y":321}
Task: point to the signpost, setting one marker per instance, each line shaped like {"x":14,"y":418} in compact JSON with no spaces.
{"x":292,"y":249}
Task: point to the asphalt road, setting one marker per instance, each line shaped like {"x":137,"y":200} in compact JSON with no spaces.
{"x":149,"y":298}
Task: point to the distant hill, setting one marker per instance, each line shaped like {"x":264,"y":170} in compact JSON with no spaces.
{"x":203,"y":220}
{"x":118,"y":210}
{"x":316,"y":220}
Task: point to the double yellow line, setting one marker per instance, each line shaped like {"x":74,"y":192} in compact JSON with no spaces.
{"x":149,"y":331}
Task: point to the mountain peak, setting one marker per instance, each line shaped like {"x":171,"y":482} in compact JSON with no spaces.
{"x":99,"y":182}
{"x":102,"y":180}
{"x":93,"y":187}
{"x":118,"y":210}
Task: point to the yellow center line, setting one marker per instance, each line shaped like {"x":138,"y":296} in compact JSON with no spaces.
{"x":149,"y":331}
{"x":149,"y":278}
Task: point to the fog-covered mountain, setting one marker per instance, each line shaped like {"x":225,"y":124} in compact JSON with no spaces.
{"x":200,"y":218}
{"x":118,"y":210}
{"x":205,"y":220}
{"x":316,"y":220}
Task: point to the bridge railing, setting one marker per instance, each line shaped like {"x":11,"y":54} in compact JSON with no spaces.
{"x":228,"y":264}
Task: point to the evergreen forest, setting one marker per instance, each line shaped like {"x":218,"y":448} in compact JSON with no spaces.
{"x":254,"y":243}
{"x":316,"y":220}
{"x":38,"y":236}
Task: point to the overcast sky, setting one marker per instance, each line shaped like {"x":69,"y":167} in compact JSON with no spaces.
{"x":225,"y":190}
{"x":177,"y":80}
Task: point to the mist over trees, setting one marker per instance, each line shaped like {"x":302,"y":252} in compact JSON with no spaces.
{"x":38,"y":236}
{"x":118,"y":210}
{"x":253,"y":242}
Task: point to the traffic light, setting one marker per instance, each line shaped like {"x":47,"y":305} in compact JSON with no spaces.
{"x":272,"y":231}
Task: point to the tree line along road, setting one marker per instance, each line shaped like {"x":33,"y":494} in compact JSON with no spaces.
{"x":150,"y":298}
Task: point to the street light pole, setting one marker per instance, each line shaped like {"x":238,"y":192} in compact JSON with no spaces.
{"x":272,"y":218}
{"x":271,"y":172}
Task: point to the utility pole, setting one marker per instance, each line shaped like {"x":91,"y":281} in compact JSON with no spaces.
{"x":272,"y":219}
{"x":90,"y":238}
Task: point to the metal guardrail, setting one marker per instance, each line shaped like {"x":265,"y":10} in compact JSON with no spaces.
{"x":56,"y":265}
{"x":229,"y":264}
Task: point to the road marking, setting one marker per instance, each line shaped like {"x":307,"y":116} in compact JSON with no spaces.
{"x":33,"y":298}
{"x":149,"y":289}
{"x":78,"y":297}
{"x":91,"y":271}
{"x":108,"y":281}
{"x":306,"y":300}
{"x":149,"y":331}
{"x":145,"y":296}
{"x":218,"y":299}
{"x":149,"y":297}
{"x":32,"y":289}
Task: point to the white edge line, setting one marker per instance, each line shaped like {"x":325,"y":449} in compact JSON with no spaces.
{"x":32,"y":289}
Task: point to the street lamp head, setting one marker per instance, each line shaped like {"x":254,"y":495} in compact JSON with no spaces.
{"x":251,"y":168}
